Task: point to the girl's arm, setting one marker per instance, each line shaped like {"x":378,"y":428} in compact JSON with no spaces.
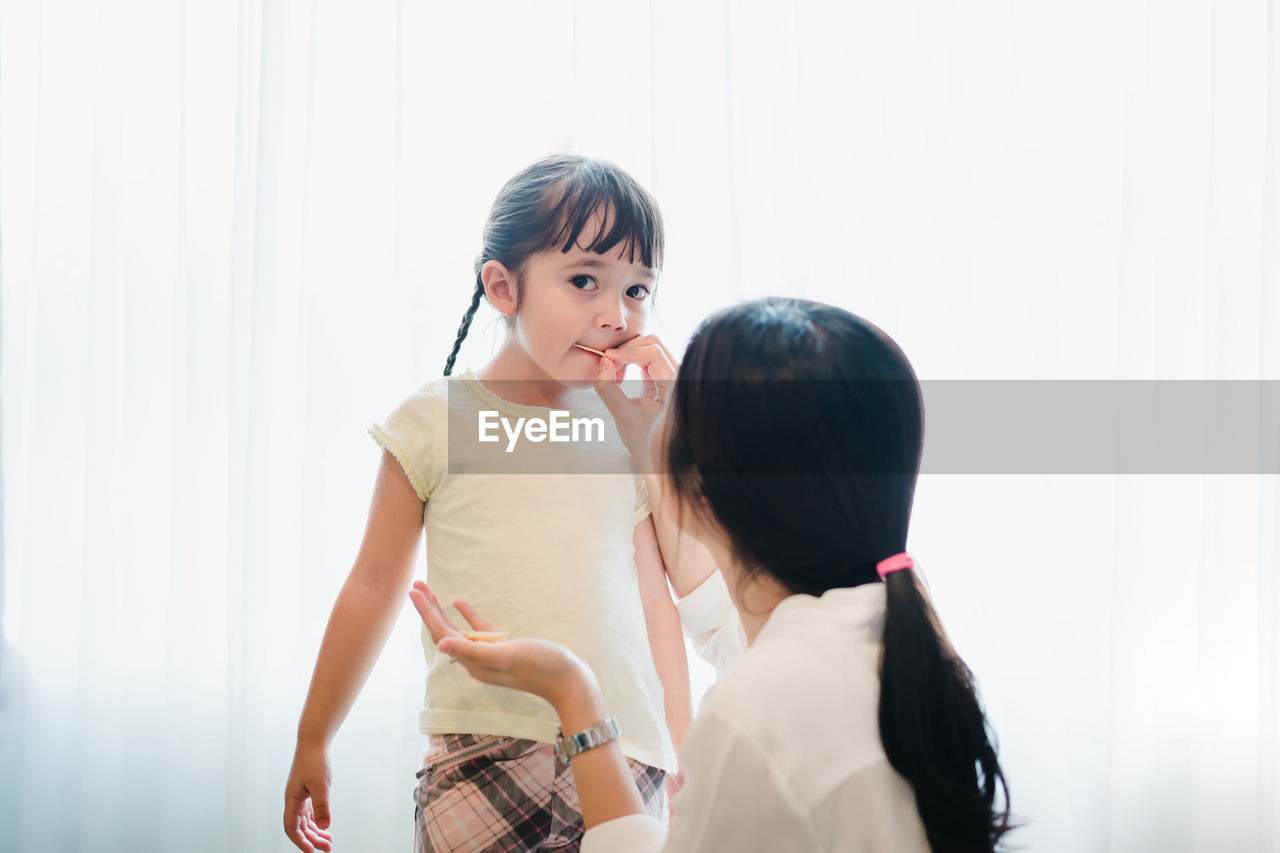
{"x":666,"y":641}
{"x":362,"y":618}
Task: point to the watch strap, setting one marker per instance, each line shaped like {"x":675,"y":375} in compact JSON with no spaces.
{"x":598,"y":735}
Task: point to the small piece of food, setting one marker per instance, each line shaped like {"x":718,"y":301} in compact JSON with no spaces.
{"x":589,"y":349}
{"x":486,"y":636}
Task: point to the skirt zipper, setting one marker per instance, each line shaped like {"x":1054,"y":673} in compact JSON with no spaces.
{"x":459,"y":757}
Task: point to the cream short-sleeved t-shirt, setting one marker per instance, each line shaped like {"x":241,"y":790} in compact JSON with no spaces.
{"x":546,"y":555}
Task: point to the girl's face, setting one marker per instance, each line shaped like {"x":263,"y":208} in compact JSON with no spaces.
{"x":580,"y":297}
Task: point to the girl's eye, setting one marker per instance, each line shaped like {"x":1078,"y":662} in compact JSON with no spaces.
{"x":642,"y":294}
{"x":577,"y":281}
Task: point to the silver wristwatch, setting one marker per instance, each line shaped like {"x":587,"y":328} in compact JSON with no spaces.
{"x":598,"y":735}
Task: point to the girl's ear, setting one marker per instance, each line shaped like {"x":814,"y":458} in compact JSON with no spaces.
{"x":499,"y":287}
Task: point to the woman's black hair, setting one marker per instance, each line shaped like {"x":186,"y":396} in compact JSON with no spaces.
{"x":797,"y":428}
{"x":548,"y":204}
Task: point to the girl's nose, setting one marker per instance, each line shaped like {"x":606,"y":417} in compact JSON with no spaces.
{"x":612,"y":316}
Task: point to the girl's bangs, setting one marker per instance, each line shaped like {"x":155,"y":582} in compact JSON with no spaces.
{"x":630,"y":218}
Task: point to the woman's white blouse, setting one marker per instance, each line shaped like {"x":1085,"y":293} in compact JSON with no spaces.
{"x":785,"y":752}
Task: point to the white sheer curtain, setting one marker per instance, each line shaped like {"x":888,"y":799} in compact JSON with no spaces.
{"x":232,"y":235}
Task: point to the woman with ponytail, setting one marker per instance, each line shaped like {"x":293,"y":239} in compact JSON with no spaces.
{"x":790,"y":446}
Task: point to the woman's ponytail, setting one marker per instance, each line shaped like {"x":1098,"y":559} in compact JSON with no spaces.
{"x":933,"y":727}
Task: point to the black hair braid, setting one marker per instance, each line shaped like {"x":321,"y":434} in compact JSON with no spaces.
{"x":465,"y":325}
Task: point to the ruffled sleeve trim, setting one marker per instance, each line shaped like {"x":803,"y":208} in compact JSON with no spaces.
{"x":643,"y":508}
{"x":388,"y":442}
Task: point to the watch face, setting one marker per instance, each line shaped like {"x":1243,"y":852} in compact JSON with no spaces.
{"x":597,"y":735}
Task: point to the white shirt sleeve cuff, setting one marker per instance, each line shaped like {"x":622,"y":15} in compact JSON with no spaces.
{"x":635,"y":833}
{"x":706,"y":608}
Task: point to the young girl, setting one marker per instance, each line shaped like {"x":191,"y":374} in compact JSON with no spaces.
{"x":570,"y":256}
{"x":848,"y":722}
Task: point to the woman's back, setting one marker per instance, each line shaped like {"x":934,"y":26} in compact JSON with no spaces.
{"x":785,"y":753}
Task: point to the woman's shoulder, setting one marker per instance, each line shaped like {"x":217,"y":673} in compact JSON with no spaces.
{"x":813,"y":709}
{"x":812,"y":653}
{"x":777,"y":677}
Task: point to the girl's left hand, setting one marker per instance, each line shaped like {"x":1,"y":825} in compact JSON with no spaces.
{"x":545,"y":669}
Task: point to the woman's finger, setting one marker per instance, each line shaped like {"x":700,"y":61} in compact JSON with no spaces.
{"x":648,"y":340}
{"x":499,"y":674}
{"x":658,"y":360}
{"x":606,"y":385}
{"x":654,"y":388}
{"x":428,"y":608}
{"x":435,"y":602}
{"x":634,"y":417}
{"x":470,"y":650}
{"x":657,"y":341}
{"x":483,"y":660}
{"x":473,"y":618}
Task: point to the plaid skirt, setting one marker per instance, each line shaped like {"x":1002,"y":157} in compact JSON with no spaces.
{"x":491,"y":793}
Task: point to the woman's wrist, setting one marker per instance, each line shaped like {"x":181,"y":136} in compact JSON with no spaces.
{"x":579,"y":702}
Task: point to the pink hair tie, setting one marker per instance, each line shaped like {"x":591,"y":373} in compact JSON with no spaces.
{"x":894,"y":563}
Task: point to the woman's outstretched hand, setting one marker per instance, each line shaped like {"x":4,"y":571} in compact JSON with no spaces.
{"x":635,"y":416}
{"x":545,"y":669}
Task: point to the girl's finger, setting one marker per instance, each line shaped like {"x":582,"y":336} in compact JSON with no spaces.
{"x":293,"y":829}
{"x":294,"y":825}
{"x":314,"y":828}
{"x":318,"y":841}
{"x":473,"y":618}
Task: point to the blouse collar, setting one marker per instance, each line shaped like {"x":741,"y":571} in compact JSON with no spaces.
{"x":858,"y":608}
